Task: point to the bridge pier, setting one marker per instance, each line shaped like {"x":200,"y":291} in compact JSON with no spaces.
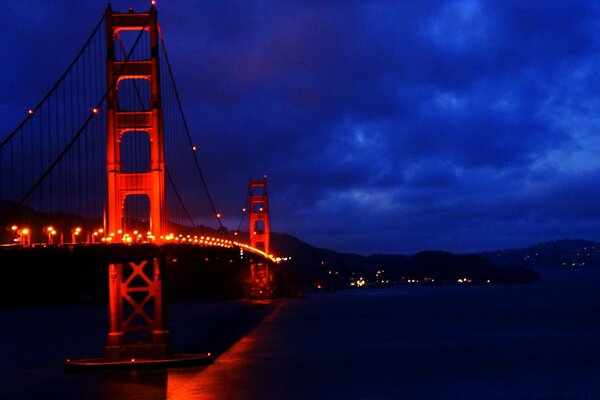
{"x":138,"y":326}
{"x":260,"y":280}
{"x":138,"y":335}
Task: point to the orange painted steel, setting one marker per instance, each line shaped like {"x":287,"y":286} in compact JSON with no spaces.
{"x":135,"y":301}
{"x":136,"y":288}
{"x":259,"y":215}
{"x":119,"y":122}
{"x":260,"y":233}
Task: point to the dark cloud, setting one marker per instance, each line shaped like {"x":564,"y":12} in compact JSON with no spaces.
{"x":384,"y":126}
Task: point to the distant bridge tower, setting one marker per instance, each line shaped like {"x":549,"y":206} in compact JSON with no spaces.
{"x":150,"y":183}
{"x":260,"y":233}
{"x":260,"y":229}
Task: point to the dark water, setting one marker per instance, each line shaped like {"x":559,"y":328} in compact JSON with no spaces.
{"x":536,"y":341}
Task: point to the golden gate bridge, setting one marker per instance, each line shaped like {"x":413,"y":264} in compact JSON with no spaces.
{"x":105,"y":160}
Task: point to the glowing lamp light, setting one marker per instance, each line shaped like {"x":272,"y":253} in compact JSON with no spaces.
{"x":194,"y":148}
{"x":25,"y":231}
{"x":218,"y":215}
{"x":14,"y":228}
{"x":30,"y":111}
{"x":243,"y":209}
{"x":95,"y":110}
{"x":153,"y":2}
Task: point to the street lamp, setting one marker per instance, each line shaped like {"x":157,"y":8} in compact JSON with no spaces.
{"x":51,"y":232}
{"x":97,"y":233}
{"x":14,"y":230}
{"x":24,"y":237}
{"x":75,"y":232}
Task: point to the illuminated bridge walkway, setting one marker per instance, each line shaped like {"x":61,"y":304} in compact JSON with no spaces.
{"x":105,"y":165}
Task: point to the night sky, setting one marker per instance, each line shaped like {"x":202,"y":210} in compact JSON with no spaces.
{"x":384,"y":126}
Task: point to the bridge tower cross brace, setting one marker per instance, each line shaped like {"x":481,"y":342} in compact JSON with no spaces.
{"x":119,"y":122}
{"x":260,"y":235}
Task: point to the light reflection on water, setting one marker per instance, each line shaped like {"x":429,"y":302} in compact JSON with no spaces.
{"x":216,"y":382}
{"x":220,"y":380}
{"x":415,"y":342}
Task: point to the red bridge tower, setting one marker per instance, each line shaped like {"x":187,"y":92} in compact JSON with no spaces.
{"x":260,"y":232}
{"x":135,"y":287}
{"x":120,"y":122}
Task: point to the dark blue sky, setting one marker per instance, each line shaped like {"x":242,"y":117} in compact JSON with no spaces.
{"x":384,"y":126}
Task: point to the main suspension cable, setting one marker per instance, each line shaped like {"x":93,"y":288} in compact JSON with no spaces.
{"x":187,"y":131}
{"x":58,"y":82}
{"x":70,"y":144}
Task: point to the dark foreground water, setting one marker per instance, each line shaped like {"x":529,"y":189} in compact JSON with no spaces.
{"x":536,"y":341}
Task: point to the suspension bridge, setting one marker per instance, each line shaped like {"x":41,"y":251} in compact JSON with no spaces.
{"x":105,"y":165}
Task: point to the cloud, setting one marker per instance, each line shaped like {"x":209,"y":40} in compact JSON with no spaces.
{"x":384,"y":126}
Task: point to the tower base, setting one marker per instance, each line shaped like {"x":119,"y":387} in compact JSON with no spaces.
{"x":137,"y":351}
{"x":175,"y":361}
{"x":260,"y":281}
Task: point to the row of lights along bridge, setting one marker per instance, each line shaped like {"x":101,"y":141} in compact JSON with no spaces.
{"x":23,"y":238}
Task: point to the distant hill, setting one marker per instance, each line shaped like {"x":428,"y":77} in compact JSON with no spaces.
{"x":444,"y":268}
{"x":564,"y":253}
{"x":309,"y":264}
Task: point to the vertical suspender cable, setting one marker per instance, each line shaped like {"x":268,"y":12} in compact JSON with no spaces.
{"x":197,"y":162}
{"x":70,"y":144}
